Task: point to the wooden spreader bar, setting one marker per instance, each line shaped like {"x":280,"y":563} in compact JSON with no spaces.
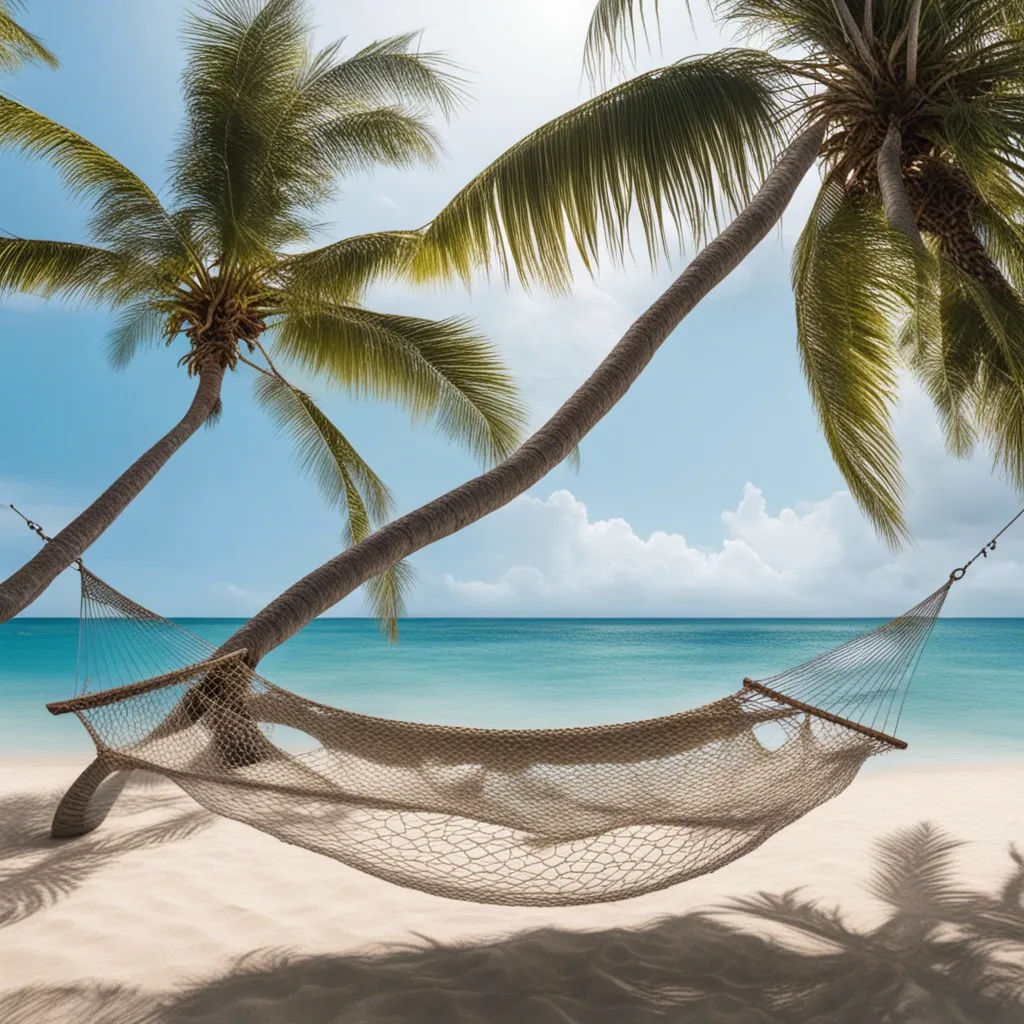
{"x":101,"y":699}
{"x":750,"y":684}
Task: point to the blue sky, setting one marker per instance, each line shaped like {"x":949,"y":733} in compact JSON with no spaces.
{"x":708,"y":490}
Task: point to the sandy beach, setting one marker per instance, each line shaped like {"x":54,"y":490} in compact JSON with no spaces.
{"x":168,"y":914}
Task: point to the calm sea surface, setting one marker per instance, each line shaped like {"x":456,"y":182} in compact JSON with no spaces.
{"x":967,"y":700}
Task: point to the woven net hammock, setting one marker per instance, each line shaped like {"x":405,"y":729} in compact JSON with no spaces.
{"x":528,"y":817}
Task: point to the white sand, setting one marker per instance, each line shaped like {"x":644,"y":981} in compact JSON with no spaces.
{"x":163,"y":899}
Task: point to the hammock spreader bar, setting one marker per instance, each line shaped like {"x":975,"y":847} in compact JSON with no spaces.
{"x":799,"y":705}
{"x":104,"y":698}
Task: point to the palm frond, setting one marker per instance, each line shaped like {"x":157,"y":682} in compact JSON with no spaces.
{"x":394,"y":70}
{"x":1003,"y":239}
{"x":138,"y":325}
{"x":18,"y":46}
{"x":382,"y":135}
{"x":341,"y":272}
{"x":850,"y":278}
{"x":943,"y":359}
{"x":120,"y":200}
{"x":678,"y":146}
{"x":271,"y":123}
{"x":434,"y":369}
{"x":346,"y":482}
{"x":71,"y":271}
{"x":245,"y":62}
{"x":984,"y":336}
{"x":612,"y":34}
{"x":386,"y":596}
{"x":326,"y":454}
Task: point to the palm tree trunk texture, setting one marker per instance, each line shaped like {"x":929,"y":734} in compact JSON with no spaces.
{"x":24,"y":586}
{"x":898,"y":211}
{"x":554,"y":441}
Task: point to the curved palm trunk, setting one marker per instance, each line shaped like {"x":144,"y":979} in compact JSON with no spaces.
{"x":24,"y":586}
{"x":895,"y":201}
{"x":554,"y":441}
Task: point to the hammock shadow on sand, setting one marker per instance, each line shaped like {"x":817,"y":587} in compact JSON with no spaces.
{"x":36,"y":873}
{"x":943,"y":954}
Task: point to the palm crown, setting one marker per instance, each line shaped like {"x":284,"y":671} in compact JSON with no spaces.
{"x":270,"y":127}
{"x":940,"y":81}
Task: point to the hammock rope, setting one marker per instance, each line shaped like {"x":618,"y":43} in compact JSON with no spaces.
{"x":543,"y":817}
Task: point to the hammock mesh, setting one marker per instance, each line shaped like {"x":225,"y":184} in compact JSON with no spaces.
{"x":526,"y":817}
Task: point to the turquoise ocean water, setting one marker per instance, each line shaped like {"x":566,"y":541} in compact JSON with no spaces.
{"x":967,"y":700}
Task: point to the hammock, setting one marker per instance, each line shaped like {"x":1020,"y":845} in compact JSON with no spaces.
{"x":547,"y":817}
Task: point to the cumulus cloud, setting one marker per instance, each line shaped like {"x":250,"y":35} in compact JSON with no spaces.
{"x":819,"y":558}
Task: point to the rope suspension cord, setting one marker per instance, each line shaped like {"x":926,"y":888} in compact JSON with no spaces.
{"x":958,"y":574}
{"x":38,"y":530}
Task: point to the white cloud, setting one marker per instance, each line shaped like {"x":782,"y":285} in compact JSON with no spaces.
{"x":821,"y":558}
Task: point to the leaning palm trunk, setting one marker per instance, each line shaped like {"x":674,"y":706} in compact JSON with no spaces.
{"x":82,"y":808}
{"x":554,"y":441}
{"x":24,"y":586}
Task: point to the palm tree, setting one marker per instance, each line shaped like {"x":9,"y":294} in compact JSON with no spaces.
{"x":270,"y":126}
{"x":18,"y":47}
{"x":911,"y":259}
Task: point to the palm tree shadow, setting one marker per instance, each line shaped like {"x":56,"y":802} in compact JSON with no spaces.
{"x":944,"y":955}
{"x":36,"y":872}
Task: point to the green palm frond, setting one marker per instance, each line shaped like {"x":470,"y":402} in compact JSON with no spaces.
{"x":341,"y":272}
{"x":982,"y":137}
{"x":17,"y":46}
{"x":680,"y":146}
{"x":138,"y":325}
{"x":388,"y":136}
{"x":386,"y":596}
{"x":71,"y":271}
{"x":394,"y":70}
{"x":1003,"y":239}
{"x":612,"y":33}
{"x":435,"y":369}
{"x":244,"y":64}
{"x":983,"y":339}
{"x":271,"y":124}
{"x":324,"y":452}
{"x":121,"y":201}
{"x":944,"y":360}
{"x":345,"y":480}
{"x":1001,"y":414}
{"x":850,"y":278}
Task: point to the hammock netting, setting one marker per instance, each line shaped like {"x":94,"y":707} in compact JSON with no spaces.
{"x":528,"y":817}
